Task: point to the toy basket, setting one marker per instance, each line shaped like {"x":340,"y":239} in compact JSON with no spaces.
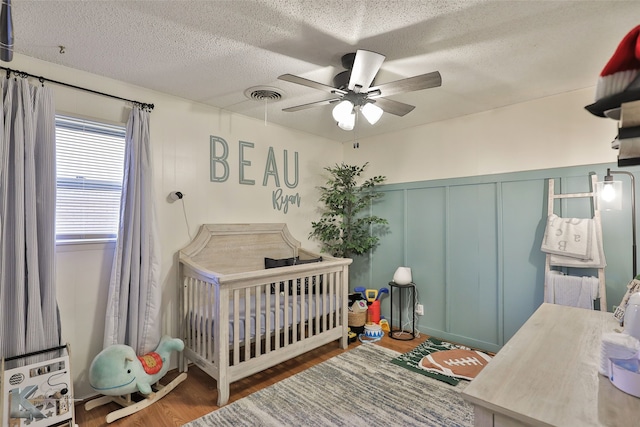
{"x":357,"y":318}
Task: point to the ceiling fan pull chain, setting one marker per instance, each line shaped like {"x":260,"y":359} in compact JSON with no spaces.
{"x":356,"y":144}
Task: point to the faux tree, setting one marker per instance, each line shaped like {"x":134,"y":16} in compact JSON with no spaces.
{"x":344,"y":229}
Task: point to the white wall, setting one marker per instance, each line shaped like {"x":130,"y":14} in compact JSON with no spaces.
{"x":180,"y":132}
{"x":555,"y":131}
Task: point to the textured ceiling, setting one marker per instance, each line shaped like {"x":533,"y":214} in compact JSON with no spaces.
{"x":490,"y":53}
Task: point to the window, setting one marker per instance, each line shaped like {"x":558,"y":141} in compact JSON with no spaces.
{"x":90,"y":163}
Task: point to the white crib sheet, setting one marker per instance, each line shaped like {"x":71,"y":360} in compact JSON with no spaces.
{"x":293,"y":302}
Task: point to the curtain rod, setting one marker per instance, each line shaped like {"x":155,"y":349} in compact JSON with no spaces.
{"x":44,"y":79}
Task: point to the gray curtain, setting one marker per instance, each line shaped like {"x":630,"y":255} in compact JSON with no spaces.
{"x":133,"y":306}
{"x":29,"y":318}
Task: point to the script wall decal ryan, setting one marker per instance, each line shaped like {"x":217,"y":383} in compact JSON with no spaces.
{"x":220,"y":170}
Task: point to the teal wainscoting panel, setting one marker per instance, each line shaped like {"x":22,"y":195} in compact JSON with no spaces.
{"x":524,"y":215}
{"x":390,"y":253}
{"x":426,"y":248}
{"x":472,"y":284}
{"x":473,"y":245}
{"x":579,"y":207}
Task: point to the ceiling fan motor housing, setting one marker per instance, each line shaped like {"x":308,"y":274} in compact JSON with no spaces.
{"x":341,"y":80}
{"x":348,"y":59}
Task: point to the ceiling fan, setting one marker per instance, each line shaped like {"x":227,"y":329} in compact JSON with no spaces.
{"x":353,"y":91}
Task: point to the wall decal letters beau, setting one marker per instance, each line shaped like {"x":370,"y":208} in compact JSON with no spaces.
{"x":220,"y":168}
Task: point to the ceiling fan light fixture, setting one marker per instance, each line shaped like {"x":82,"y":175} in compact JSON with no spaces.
{"x":342,"y":111}
{"x":349,"y":123}
{"x":371,"y":112}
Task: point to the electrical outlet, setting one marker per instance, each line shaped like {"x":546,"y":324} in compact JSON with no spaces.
{"x":420,"y":310}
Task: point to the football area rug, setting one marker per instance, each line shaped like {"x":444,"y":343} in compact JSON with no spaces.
{"x":444,"y":361}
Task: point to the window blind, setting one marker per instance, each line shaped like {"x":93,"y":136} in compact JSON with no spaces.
{"x":90,"y":163}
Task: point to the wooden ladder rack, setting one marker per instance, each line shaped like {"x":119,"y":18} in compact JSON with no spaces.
{"x":552,"y":197}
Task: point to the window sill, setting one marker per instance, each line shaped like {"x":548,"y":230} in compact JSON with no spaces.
{"x":84,"y":245}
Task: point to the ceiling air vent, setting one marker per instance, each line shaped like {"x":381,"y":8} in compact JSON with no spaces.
{"x":264,"y":93}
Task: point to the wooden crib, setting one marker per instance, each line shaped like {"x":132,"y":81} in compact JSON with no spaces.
{"x":300,"y":305}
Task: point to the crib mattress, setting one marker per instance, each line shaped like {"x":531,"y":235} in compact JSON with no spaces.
{"x":293,"y":310}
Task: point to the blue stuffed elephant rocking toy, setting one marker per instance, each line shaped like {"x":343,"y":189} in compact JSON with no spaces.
{"x":117,"y":371}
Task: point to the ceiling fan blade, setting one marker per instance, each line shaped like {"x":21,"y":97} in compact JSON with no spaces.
{"x":311,"y":104}
{"x":423,"y":81}
{"x":365,"y":67}
{"x":310,"y":83}
{"x":394,"y":107}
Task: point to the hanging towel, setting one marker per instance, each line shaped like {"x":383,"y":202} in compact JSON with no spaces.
{"x":573,"y":291}
{"x":549,"y":286}
{"x":570,"y":237}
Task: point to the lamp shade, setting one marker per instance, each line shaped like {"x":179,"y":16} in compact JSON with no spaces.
{"x":6,"y":32}
{"x":348,"y":123}
{"x":610,"y":195}
{"x":372,"y":112}
{"x":342,"y":111}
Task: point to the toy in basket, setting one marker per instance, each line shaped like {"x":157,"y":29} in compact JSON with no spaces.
{"x":357,"y":317}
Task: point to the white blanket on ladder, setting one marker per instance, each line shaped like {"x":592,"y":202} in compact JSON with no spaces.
{"x":573,"y":242}
{"x":573,"y":291}
{"x":569,"y":237}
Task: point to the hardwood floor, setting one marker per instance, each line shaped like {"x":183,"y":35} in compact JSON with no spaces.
{"x":197,"y":395}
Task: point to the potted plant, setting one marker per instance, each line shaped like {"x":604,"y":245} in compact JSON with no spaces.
{"x":344,"y":229}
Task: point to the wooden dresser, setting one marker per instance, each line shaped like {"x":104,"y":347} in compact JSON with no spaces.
{"x":547,"y":375}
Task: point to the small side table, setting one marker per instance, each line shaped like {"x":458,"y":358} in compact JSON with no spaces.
{"x":398,"y":333}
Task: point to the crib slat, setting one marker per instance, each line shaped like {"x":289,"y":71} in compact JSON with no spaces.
{"x":236,"y":327}
{"x":326,"y":301}
{"x":247,"y":323}
{"x":196,"y":318}
{"x":326,"y":296}
{"x":285,"y":327}
{"x":201,"y":306}
{"x":209,"y":303}
{"x":188,"y":313}
{"x":329,"y":298}
{"x":257,"y":294}
{"x":276,"y":330}
{"x":336,"y":300}
{"x":317,"y":301}
{"x":305,"y":308}
{"x":205,"y":308}
{"x":298,"y":309}
{"x":267,"y":319}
